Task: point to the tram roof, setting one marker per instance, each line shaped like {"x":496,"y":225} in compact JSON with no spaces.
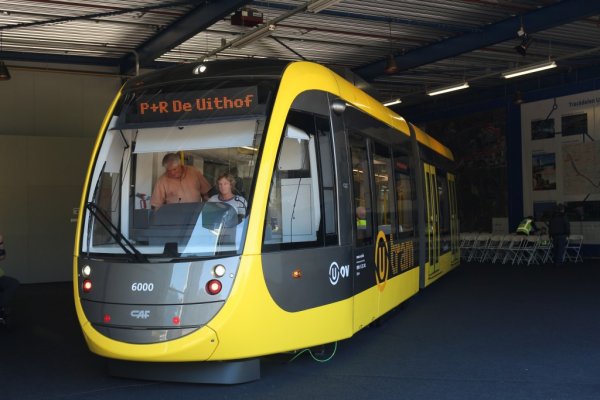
{"x":216,"y":69}
{"x":275,"y":69}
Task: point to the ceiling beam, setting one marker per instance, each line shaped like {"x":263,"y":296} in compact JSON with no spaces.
{"x":194,"y":22}
{"x":58,"y":58}
{"x":446,"y":27}
{"x":95,"y":16}
{"x":544,"y":18}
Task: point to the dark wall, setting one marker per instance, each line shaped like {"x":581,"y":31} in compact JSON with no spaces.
{"x":478,"y":141}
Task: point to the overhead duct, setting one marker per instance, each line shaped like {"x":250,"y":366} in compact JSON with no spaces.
{"x":247,"y":17}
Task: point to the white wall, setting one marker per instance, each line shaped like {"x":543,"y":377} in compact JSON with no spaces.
{"x":48,"y":125}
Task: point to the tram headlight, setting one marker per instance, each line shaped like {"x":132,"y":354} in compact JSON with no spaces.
{"x":213,"y":286}
{"x":219,"y":270}
{"x":87,"y":286}
{"x":86,"y":271}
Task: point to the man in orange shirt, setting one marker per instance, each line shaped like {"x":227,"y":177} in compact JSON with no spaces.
{"x":179,"y":184}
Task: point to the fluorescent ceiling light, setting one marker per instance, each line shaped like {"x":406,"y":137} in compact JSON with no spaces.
{"x":447,"y":89}
{"x":320,"y":5}
{"x":255,"y":35}
{"x":392,"y":102}
{"x":529,"y":69}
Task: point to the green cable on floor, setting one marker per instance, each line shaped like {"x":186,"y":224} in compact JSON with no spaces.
{"x":313,"y":356}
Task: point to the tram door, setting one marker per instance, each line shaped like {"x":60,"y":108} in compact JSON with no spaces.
{"x":454,"y":227}
{"x":433,"y":222}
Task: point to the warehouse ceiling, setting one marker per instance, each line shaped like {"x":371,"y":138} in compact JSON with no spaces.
{"x":433,"y":43}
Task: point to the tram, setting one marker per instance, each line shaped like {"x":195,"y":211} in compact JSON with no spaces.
{"x":349,"y":210}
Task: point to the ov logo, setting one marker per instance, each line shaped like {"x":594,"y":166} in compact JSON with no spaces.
{"x":382,"y":260}
{"x":335,"y":272}
{"x":140,"y":314}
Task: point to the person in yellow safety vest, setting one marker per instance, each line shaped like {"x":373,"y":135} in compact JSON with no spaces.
{"x":361,"y":217}
{"x":527,"y":226}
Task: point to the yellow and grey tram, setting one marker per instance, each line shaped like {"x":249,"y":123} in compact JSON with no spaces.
{"x":348,"y":210}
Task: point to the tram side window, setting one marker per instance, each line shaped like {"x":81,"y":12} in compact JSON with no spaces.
{"x":361,"y":189}
{"x":325,"y":146}
{"x":294,"y":208}
{"x":108,"y":200}
{"x":382,"y":162}
{"x":444,"y":203}
{"x":404,"y":192}
{"x":107,"y":193}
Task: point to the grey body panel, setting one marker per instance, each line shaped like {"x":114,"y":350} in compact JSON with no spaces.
{"x":142,"y":336}
{"x":153,"y":302}
{"x":326,"y":276}
{"x":151,"y":316}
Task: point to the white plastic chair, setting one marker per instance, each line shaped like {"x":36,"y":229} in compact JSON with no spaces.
{"x":528,"y":250}
{"x":544,"y":250}
{"x":573,"y":249}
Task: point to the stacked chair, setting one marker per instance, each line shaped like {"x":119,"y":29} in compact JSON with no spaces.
{"x":480,"y":247}
{"x":467,"y":241}
{"x":515,"y":249}
{"x":493,"y":246}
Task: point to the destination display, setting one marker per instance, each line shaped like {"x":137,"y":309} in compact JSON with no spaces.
{"x":173,"y":106}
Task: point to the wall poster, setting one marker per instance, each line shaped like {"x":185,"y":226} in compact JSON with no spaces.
{"x":561,"y":160}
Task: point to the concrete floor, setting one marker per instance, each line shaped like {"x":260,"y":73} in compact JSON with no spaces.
{"x":482,"y":332}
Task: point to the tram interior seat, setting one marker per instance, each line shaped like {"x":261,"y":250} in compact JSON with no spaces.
{"x":141,"y":218}
{"x":175,"y":223}
{"x":170,"y":223}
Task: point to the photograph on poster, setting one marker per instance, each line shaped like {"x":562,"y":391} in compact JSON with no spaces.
{"x":544,"y":171}
{"x":542,"y":129}
{"x":575,"y":124}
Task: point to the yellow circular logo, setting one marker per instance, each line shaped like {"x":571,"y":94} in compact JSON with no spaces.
{"x":382,"y":260}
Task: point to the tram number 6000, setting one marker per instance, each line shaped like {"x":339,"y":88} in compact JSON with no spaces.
{"x":142,"y":287}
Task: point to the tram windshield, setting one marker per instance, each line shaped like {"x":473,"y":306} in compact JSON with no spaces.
{"x":153,"y":190}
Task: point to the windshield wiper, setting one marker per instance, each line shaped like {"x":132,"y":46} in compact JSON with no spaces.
{"x":115,"y":233}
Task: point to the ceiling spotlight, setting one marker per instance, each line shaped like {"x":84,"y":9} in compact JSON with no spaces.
{"x":391,"y":67}
{"x":447,"y":89}
{"x":518,"y":99}
{"x":522,"y":48}
{"x":525,"y":40}
{"x":199,"y":69}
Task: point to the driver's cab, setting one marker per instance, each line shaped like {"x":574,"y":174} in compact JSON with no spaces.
{"x":129,"y":165}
